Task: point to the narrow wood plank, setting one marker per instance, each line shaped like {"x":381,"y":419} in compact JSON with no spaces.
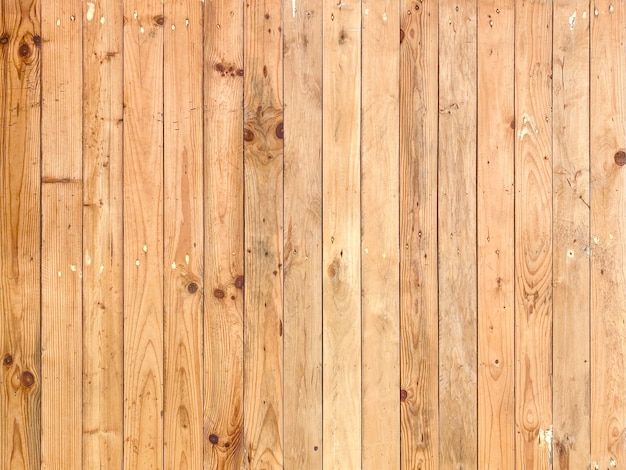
{"x":61,"y":248}
{"x":103,"y":389}
{"x":183,"y":234}
{"x":380,"y":387}
{"x":143,"y":234}
{"x":572,"y":249}
{"x":457,"y":235}
{"x":303,"y":234}
{"x":495,"y":211}
{"x":533,"y":234}
{"x":341,"y":234}
{"x":223,"y":248}
{"x":263,"y":160}
{"x":608,"y":229}
{"x":419,"y":395}
{"x":20,"y":234}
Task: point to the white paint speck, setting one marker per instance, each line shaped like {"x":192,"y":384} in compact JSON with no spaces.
{"x":385,"y":16}
{"x":293,"y":8}
{"x":572,"y":20}
{"x":596,"y":240}
{"x":173,"y":27}
{"x":58,"y":22}
{"x":367,"y":11}
{"x":141,"y":30}
{"x":91,"y":9}
{"x":145,"y":248}
{"x":174,"y":265}
{"x":102,"y":20}
{"x":596,"y":12}
{"x":584,"y":14}
{"x":491,"y":23}
{"x":611,"y":8}
{"x":73,"y":18}
{"x":366,"y":251}
{"x":135,"y":14}
{"x":59,"y":273}
{"x":570,"y":253}
{"x":384,"y":255}
{"x":137,"y":262}
{"x":187,"y":22}
{"x":610,"y":236}
{"x":187,"y":259}
{"x":73,"y":267}
{"x":88,"y":260}
{"x":101,"y":268}
{"x":612,"y":462}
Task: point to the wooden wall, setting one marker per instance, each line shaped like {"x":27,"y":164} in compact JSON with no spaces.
{"x":313,"y":234}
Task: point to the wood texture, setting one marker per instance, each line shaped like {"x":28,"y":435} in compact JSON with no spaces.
{"x":341,"y":209}
{"x":20,"y":235}
{"x":263,"y":207}
{"x":183,"y":234}
{"x":61,"y":242}
{"x":608,"y":225}
{"x":457,"y":236}
{"x":303,"y":235}
{"x":572,"y":248}
{"x":495,"y":232}
{"x":143,"y":234}
{"x":380,"y":320}
{"x":103,"y":390}
{"x":419,"y":354}
{"x":533,"y":235}
{"x":223,"y":241}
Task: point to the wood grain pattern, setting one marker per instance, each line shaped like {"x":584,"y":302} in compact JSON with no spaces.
{"x":143,"y":234}
{"x":533,"y":235}
{"x":380,"y":320}
{"x":571,"y":241}
{"x":103,"y":390}
{"x":61,"y":248}
{"x":608,"y":228}
{"x":419,"y":395}
{"x":303,"y":235}
{"x":495,"y":212}
{"x":20,"y":236}
{"x":341,"y":223}
{"x":223,"y":247}
{"x":263,"y":262}
{"x":457,"y":236}
{"x":183,"y":234}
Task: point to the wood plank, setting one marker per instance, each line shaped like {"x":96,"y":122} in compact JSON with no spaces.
{"x":303,"y":234}
{"x":20,"y":235}
{"x":533,"y":234}
{"x":143,"y":234}
{"x":419,"y":395}
{"x":572,"y":249}
{"x":380,"y":324}
{"x":183,"y":233}
{"x":608,"y":229}
{"x":223,"y":247}
{"x":457,"y":235}
{"x":103,"y":389}
{"x":263,"y":207}
{"x":341,"y":211}
{"x":61,"y":249}
{"x":495,"y":210}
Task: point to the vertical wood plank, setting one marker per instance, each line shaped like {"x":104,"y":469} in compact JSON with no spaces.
{"x":341,"y":234}
{"x":103,"y":389}
{"x":533,"y":233}
{"x":20,"y":234}
{"x":419,"y":396}
{"x":303,"y":234}
{"x":380,"y":132}
{"x":61,"y":249}
{"x":457,"y":235}
{"x":183,"y":234}
{"x":572,"y":249}
{"x":143,"y":234}
{"x":223,"y":247}
{"x":495,"y":211}
{"x":608,"y":229}
{"x":263,"y":207}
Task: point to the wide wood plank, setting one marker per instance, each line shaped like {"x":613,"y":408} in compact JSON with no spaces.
{"x":103,"y":418}
{"x":380,"y":320}
{"x":341,"y":211}
{"x":533,"y":234}
{"x":419,"y":394}
{"x":303,"y":234}
{"x":457,"y":235}
{"x":143,"y":234}
{"x":183,"y":234}
{"x":571,"y":242}
{"x":61,"y":248}
{"x":495,"y":231}
{"x":223,"y":247}
{"x":20,"y":234}
{"x":263,"y":207}
{"x":608,"y":232}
